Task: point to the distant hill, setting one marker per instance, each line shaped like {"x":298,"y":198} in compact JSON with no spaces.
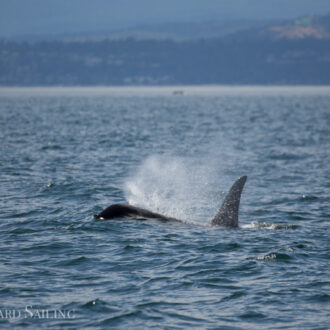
{"x":289,"y":52}
{"x":171,"y":31}
{"x":50,"y":17}
{"x":303,"y":27}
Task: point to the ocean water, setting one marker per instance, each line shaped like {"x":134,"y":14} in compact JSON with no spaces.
{"x":67,"y":153}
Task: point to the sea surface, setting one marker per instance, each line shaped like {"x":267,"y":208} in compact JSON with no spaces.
{"x":67,"y":153}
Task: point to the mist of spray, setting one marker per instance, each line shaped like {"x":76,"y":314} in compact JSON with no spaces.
{"x":176,"y":187}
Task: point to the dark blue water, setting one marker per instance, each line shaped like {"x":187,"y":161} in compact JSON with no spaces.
{"x":68,"y":153}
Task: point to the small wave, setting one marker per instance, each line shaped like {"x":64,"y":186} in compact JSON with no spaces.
{"x":196,"y":223}
{"x":306,"y":198}
{"x":23,"y":231}
{"x":234,"y":295}
{"x":51,"y":247}
{"x":265,"y":225}
{"x":50,"y":146}
{"x":94,"y":303}
{"x":47,"y":187}
{"x":274,"y":256}
{"x":252,"y":315}
{"x":320,"y":298}
{"x":74,"y":261}
{"x":100,"y":306}
{"x":166,"y":302}
{"x":123,"y":315}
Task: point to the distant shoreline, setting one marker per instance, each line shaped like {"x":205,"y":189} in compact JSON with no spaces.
{"x":170,"y":90}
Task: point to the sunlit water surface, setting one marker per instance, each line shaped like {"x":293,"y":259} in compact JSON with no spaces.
{"x":68,"y":153}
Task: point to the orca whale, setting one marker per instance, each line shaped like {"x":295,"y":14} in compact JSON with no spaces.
{"x":227,"y":215}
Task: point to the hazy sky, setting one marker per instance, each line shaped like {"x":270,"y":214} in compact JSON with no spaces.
{"x":66,"y":16}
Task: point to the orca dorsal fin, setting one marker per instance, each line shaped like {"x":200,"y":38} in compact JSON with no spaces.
{"x":227,"y":215}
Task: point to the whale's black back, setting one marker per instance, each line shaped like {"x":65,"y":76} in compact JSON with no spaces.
{"x":123,"y":211}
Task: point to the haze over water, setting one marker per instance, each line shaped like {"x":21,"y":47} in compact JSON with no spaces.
{"x":67,"y":153}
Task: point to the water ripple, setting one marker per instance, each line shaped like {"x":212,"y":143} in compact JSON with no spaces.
{"x":66,"y":157}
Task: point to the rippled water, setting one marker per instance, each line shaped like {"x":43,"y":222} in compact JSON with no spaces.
{"x":68,"y":153}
